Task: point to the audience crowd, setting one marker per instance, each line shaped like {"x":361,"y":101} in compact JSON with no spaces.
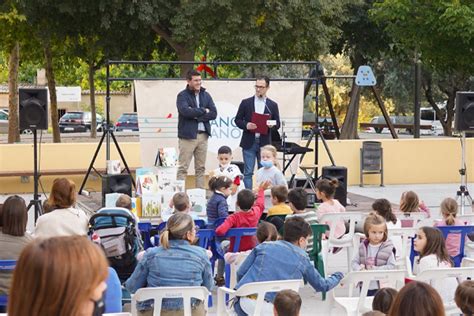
{"x":63,"y":268}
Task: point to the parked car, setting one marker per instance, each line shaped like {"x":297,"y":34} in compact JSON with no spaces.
{"x":127,"y":122}
{"x":4,"y":123}
{"x":78,"y":122}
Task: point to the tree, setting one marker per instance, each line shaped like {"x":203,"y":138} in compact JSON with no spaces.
{"x":363,"y":42}
{"x":12,"y":31}
{"x":244,"y":29}
{"x":442,"y":33}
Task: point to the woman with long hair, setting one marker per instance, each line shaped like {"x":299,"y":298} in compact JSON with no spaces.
{"x":59,"y":276}
{"x":13,"y":235}
{"x":64,"y":219}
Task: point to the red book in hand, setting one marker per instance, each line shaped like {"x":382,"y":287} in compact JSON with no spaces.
{"x":261,"y":121}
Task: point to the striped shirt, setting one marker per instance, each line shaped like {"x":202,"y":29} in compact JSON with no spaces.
{"x":311,"y":218}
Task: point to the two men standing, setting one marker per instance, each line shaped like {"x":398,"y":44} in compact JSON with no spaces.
{"x":196,"y":108}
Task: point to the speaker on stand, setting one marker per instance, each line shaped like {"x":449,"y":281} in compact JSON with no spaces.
{"x":339,"y":173}
{"x":33,"y":110}
{"x":464,"y":121}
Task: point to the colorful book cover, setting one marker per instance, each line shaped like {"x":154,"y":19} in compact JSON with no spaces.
{"x":152,"y":205}
{"x":147,"y":184}
{"x":197,"y":197}
{"x":168,"y":157}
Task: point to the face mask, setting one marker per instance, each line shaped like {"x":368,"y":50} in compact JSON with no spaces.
{"x":266,"y":164}
{"x":99,"y":307}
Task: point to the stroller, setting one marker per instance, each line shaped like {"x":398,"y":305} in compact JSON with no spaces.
{"x":114,"y":229}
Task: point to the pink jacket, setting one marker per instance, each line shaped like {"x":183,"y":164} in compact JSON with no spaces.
{"x":332,"y":206}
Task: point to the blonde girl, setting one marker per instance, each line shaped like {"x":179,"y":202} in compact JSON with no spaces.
{"x":269,"y":171}
{"x":409,"y":202}
{"x":449,"y":210}
{"x":376,"y":252}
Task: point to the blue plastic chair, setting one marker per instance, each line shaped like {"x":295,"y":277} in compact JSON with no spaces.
{"x":206,"y":237}
{"x":463,"y":231}
{"x":145,"y":229}
{"x":6,"y":266}
{"x":237,"y":234}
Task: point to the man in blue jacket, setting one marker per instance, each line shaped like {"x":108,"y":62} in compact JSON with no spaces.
{"x":251,"y":141}
{"x":195,"y":108}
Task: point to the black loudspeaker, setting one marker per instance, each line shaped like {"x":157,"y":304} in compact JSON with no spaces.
{"x":116,"y":183}
{"x":340,"y":173}
{"x":33,"y":108}
{"x":464,"y":117}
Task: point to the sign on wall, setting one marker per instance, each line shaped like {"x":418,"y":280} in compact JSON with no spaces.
{"x":158,"y":115}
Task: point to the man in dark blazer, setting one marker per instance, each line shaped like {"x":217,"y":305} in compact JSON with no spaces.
{"x":251,"y":141}
{"x":196,"y":108}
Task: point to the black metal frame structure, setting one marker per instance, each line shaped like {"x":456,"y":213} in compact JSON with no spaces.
{"x":316,"y":77}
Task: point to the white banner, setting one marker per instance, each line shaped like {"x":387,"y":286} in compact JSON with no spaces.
{"x":158,"y":115}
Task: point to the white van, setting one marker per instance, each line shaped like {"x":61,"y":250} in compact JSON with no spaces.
{"x":428,"y":116}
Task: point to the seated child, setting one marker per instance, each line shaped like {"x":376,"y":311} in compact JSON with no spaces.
{"x":376,"y":252}
{"x":287,"y":303}
{"x":298,"y":201}
{"x":250,"y":212}
{"x":224,"y":156}
{"x":383,"y":207}
{"x":265,"y":232}
{"x":449,"y":210}
{"x":217,"y":206}
{"x":325,"y":190}
{"x":282,"y":260}
{"x":430,"y":244}
{"x":180,"y":203}
{"x":464,"y":297}
{"x":410,"y":203}
{"x":279,"y":194}
{"x":383,"y":299}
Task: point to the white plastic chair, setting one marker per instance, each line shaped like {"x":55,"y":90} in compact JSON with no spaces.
{"x":467,"y":262}
{"x":234,"y":266}
{"x":159,"y":293}
{"x":347,"y":241}
{"x":416,"y":217}
{"x":361,"y":304}
{"x":404,"y":235}
{"x":259,"y":288}
{"x":436,"y":276}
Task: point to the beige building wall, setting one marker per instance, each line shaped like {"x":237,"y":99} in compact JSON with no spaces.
{"x":406,"y":161}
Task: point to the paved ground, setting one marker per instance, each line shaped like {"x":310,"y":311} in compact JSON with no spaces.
{"x":431,"y":194}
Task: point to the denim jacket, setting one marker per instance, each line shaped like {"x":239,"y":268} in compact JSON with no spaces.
{"x":281,"y":260}
{"x":180,"y":265}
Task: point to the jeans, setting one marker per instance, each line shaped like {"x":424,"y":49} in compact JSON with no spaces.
{"x":250,"y":155}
